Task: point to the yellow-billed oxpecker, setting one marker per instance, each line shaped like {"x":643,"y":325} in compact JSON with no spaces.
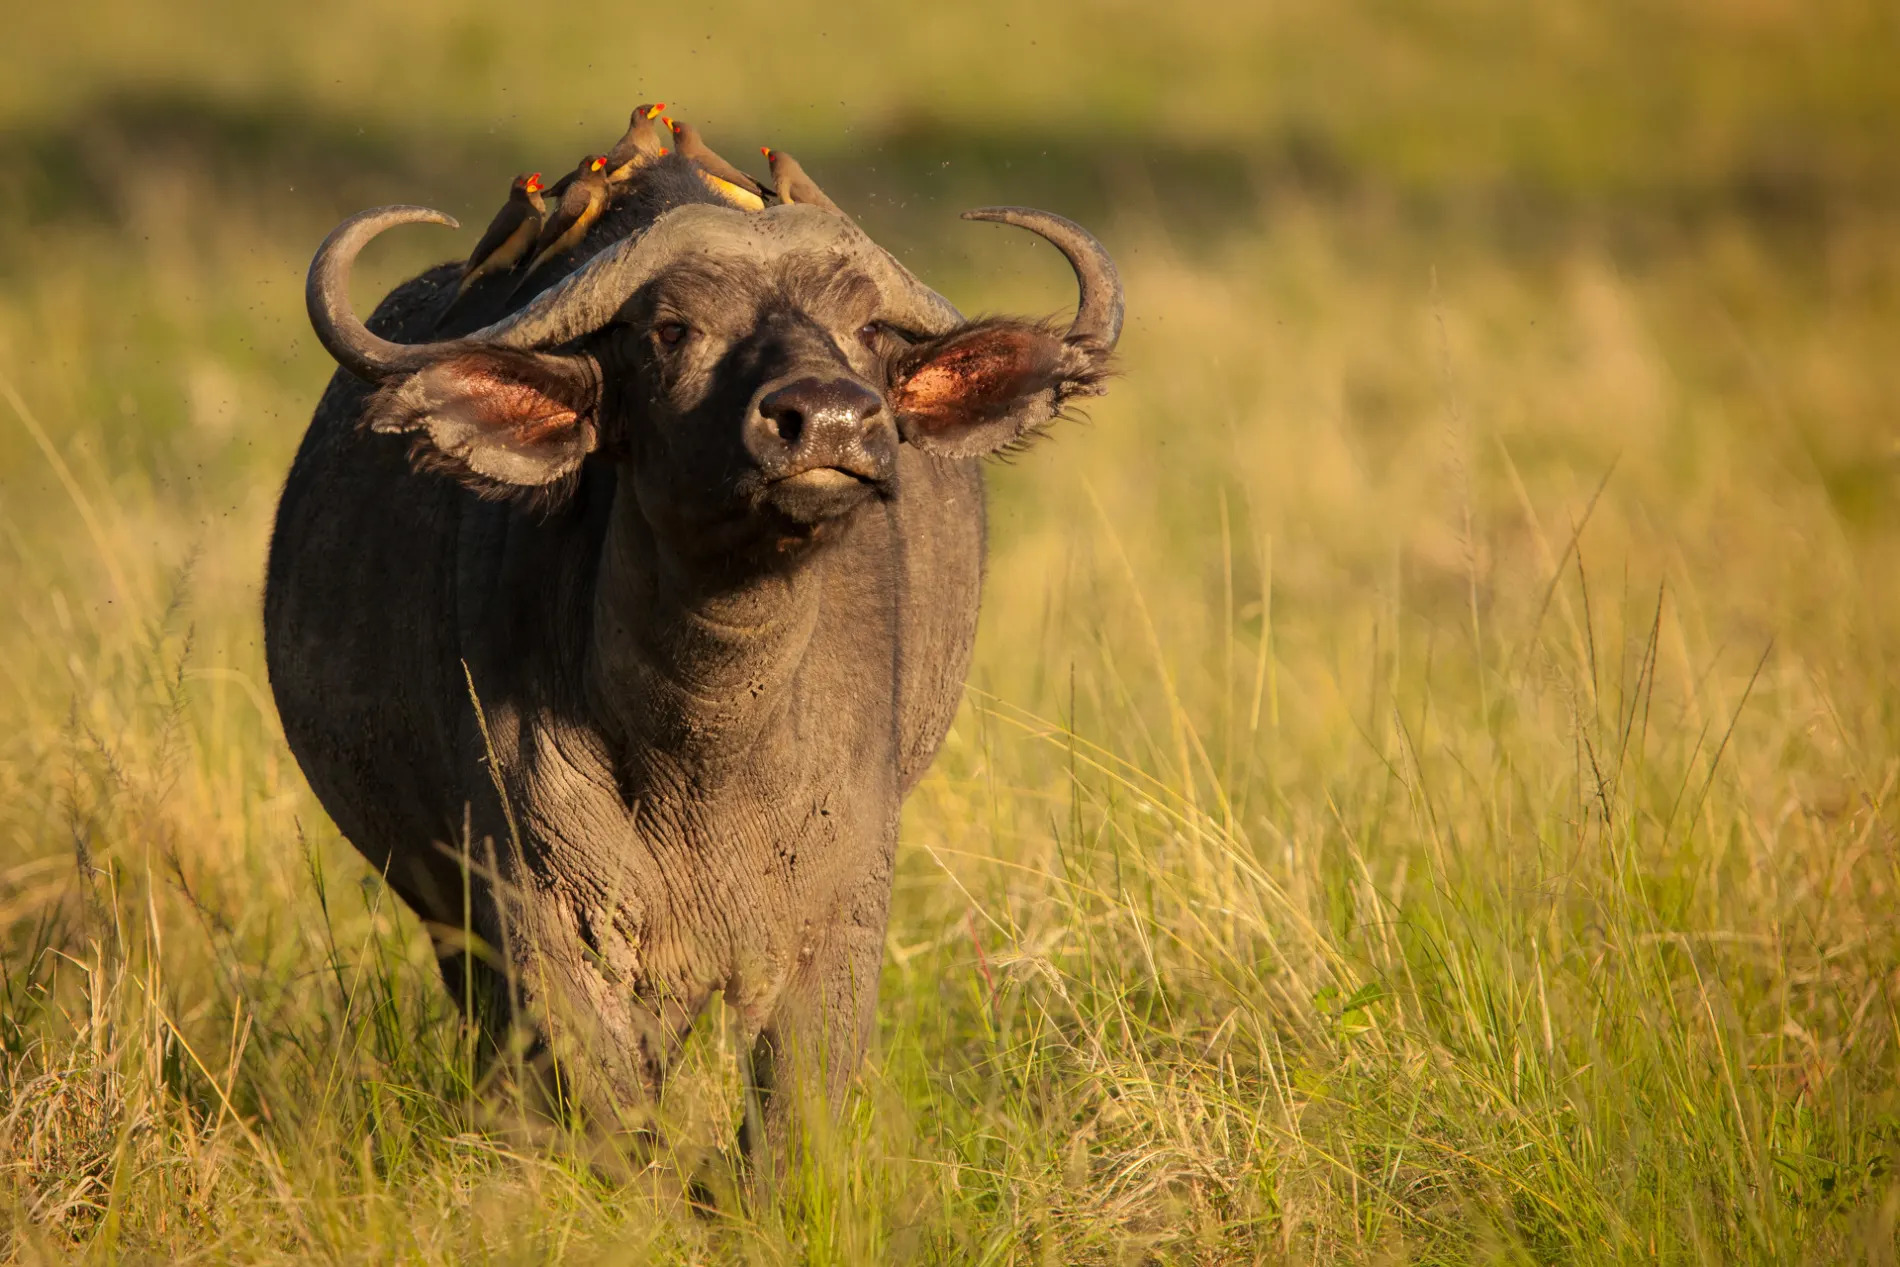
{"x":585,"y":197}
{"x":725,"y":180}
{"x":793,"y":185}
{"x":643,"y":142}
{"x":509,"y":235}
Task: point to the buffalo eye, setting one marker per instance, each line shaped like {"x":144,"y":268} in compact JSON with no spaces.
{"x":670,"y":333}
{"x":868,"y":334}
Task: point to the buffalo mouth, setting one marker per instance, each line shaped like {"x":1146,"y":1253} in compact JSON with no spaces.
{"x":819,"y":494}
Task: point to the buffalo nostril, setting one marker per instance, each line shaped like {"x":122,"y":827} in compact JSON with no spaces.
{"x":813,"y":421}
{"x":787,"y":422}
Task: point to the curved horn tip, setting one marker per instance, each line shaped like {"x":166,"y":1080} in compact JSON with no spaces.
{"x":1016,"y":215}
{"x":402,"y":213}
{"x":1098,"y":317}
{"x":326,"y":296}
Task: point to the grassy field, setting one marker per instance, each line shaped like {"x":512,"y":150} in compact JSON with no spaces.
{"x":1429,"y":787}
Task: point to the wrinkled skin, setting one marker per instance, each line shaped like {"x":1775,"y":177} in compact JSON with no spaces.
{"x":621,"y":658}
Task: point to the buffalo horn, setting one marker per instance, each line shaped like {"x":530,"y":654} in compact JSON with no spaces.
{"x":326,"y":294}
{"x":587,"y":299}
{"x":1098,"y":312}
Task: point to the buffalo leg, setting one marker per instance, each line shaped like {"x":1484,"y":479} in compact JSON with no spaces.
{"x":815,"y":1039}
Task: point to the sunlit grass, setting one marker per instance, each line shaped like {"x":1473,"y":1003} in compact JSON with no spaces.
{"x":1426,"y":790}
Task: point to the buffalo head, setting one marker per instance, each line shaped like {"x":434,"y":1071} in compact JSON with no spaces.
{"x":755,"y":373}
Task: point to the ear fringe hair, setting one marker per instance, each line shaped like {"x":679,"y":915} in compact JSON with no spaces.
{"x":541,"y":501}
{"x":1014,"y":448}
{"x":1086,"y":374}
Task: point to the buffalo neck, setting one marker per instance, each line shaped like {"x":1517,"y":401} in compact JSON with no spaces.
{"x":701,"y":680}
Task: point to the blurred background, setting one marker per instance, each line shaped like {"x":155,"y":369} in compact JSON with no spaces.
{"x":1473,"y":609}
{"x":1350,"y":232}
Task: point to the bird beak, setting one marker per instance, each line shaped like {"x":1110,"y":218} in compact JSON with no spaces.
{"x":655,"y":108}
{"x":767,"y":151}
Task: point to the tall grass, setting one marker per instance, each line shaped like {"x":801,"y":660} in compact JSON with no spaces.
{"x":1427,"y":788}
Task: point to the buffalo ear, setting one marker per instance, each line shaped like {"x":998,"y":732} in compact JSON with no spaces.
{"x":507,"y":424}
{"x":990,"y":385}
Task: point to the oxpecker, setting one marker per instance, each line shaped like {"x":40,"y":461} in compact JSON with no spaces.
{"x":509,"y":235}
{"x":642,"y":143}
{"x":725,"y":180}
{"x":581,"y":203}
{"x":794,"y":186}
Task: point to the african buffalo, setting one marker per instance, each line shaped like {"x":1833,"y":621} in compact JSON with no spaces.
{"x":614,"y":632}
